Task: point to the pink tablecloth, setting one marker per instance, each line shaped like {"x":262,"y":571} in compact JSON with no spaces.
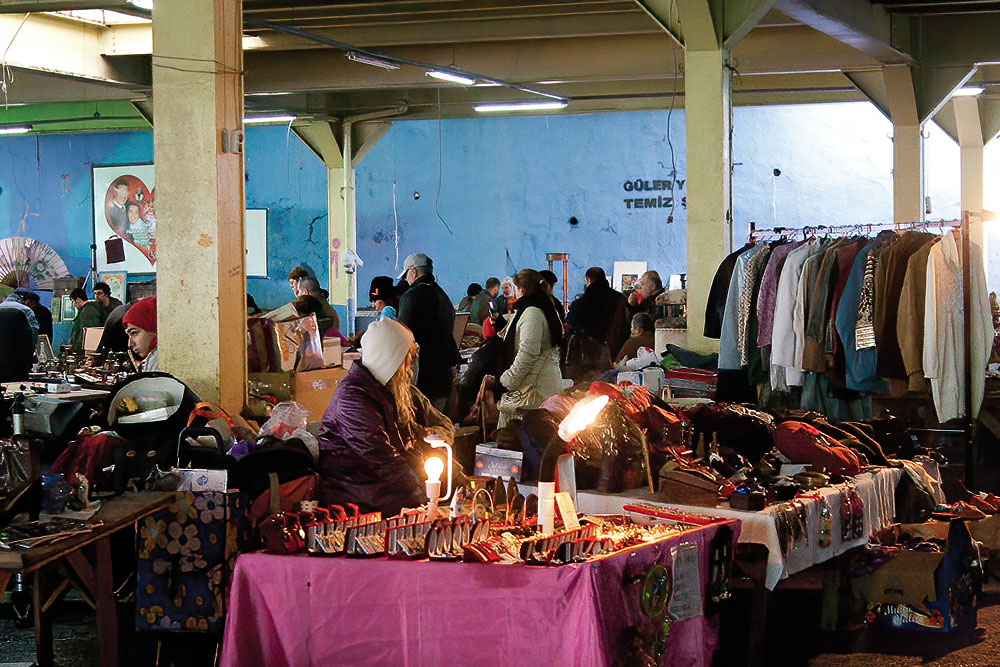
{"x":296,"y":610}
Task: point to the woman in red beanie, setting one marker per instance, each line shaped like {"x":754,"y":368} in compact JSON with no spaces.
{"x":140,"y":326}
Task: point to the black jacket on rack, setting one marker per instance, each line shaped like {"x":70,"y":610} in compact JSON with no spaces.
{"x":716,"y":306}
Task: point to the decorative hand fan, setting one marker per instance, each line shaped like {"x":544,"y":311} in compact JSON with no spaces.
{"x":25,"y":262}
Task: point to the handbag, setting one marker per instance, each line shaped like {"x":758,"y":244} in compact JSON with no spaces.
{"x":114,"y":250}
{"x":526,"y":397}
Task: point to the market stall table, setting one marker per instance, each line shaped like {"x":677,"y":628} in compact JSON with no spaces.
{"x":298,"y":610}
{"x":53,"y":564}
{"x":49,"y":413}
{"x":877,"y":490}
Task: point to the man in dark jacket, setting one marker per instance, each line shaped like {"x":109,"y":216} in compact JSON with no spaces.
{"x":42,"y":314}
{"x":427,"y":311}
{"x":371,"y":440}
{"x":600,"y":311}
{"x":17,"y":351}
{"x":643,"y":298}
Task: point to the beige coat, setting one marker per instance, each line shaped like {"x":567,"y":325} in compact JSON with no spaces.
{"x":536,"y":365}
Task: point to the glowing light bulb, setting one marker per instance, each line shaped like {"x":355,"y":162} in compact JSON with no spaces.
{"x":581,"y":416}
{"x":433,"y":466}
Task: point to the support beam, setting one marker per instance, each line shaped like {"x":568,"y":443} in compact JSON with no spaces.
{"x":970,"y":143}
{"x":740,"y":17}
{"x":857,"y":23}
{"x":342,"y":145}
{"x":58,"y":46}
{"x":201,"y":273}
{"x":708,"y":103}
{"x":907,"y":145}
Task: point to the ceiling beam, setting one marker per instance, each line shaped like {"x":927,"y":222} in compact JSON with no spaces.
{"x":857,"y":23}
{"x":741,"y":16}
{"x":584,"y":59}
{"x":60,"y":47}
{"x":26,"y":6}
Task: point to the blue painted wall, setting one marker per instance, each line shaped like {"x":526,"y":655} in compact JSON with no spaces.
{"x":509,"y":185}
{"x":51,"y":174}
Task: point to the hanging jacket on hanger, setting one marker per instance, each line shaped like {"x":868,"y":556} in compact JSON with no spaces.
{"x":716,"y":306}
{"x":944,"y":335}
{"x":910,"y":318}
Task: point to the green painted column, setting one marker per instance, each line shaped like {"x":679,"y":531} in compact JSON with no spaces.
{"x":201,"y":275}
{"x":707,"y":118}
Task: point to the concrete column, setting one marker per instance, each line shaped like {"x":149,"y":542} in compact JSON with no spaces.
{"x":907,"y":173}
{"x":343,"y":230}
{"x":707,"y":107}
{"x":907,"y":145}
{"x":970,"y":142}
{"x":201,"y":273}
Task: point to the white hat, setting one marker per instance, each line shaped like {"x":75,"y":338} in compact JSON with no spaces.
{"x":417,"y":260}
{"x":383,"y":348}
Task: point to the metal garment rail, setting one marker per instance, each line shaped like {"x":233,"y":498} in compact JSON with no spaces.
{"x":963,"y":225}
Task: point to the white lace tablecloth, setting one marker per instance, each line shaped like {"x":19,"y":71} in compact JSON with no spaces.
{"x":877,"y":490}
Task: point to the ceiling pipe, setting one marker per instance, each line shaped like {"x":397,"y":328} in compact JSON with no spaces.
{"x":344,"y":46}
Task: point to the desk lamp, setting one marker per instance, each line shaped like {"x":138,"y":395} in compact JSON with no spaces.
{"x":433,"y":467}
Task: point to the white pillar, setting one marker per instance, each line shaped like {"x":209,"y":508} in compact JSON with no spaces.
{"x":707,"y":108}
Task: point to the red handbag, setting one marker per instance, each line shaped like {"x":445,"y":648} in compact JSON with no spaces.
{"x":281,"y":532}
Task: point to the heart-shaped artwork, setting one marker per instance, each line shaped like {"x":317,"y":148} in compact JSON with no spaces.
{"x":131,"y":214}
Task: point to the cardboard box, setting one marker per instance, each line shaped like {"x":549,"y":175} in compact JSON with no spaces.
{"x":332,"y":353}
{"x":314,"y":389}
{"x":491,"y":461}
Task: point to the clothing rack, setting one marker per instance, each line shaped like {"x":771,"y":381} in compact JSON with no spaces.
{"x":963,"y":225}
{"x":857,"y":228}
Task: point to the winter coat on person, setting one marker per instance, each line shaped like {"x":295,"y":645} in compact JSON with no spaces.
{"x":362,"y":451}
{"x":535,"y":334}
{"x":90,"y":315}
{"x":427,"y":311}
{"x":365,"y":458}
{"x":600,"y":312}
{"x":17,"y":351}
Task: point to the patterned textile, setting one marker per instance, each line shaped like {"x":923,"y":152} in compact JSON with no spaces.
{"x":864,"y":332}
{"x":186,"y":554}
{"x":750,"y":284}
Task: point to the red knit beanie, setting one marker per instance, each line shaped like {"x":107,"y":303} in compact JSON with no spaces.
{"x":143,"y":315}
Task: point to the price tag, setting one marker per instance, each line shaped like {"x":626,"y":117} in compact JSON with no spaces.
{"x":567,"y":510}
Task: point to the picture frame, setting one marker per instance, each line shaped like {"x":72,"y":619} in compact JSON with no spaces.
{"x":117,"y":281}
{"x":625,"y":275}
{"x":124,"y":207}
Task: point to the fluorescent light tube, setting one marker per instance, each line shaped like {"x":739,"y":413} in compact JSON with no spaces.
{"x":259,"y":120}
{"x":968,"y":91}
{"x":448,"y":76}
{"x":520,"y":106}
{"x":21,"y":129}
{"x":371,"y":60}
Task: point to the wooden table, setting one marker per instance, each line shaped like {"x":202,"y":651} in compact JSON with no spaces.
{"x":12,"y":388}
{"x":65,"y":563}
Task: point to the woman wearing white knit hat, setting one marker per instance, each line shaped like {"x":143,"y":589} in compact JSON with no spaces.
{"x":372,"y":438}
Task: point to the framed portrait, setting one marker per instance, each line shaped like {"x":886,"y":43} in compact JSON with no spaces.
{"x":626,"y":274}
{"x":117,"y":282}
{"x":124,"y":198}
